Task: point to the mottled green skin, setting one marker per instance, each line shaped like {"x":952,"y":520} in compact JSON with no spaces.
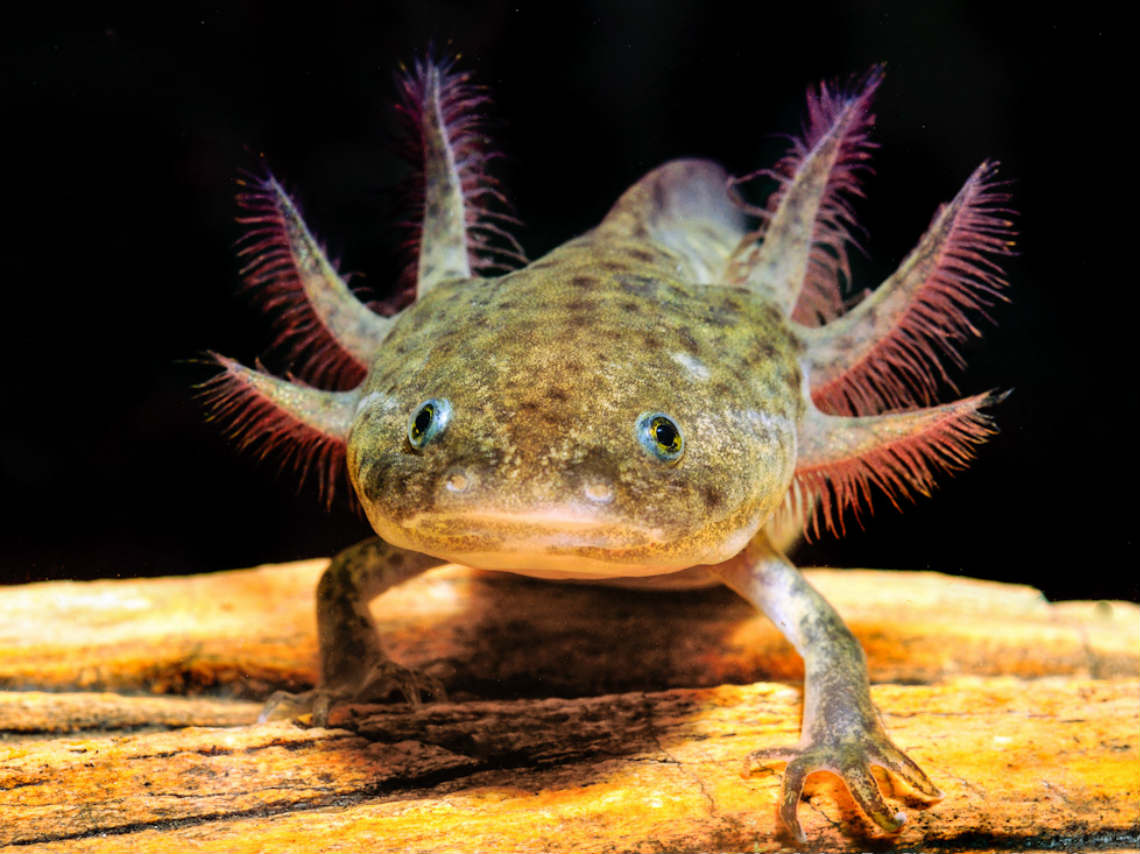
{"x":547,"y":370}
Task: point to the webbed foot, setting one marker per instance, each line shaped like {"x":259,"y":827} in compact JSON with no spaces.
{"x":387,"y":676}
{"x":851,"y":758}
{"x":384,"y":678}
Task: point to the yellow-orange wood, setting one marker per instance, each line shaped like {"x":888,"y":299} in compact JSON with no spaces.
{"x":1026,"y":714}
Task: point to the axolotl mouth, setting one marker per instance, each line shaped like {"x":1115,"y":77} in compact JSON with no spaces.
{"x":558,"y":542}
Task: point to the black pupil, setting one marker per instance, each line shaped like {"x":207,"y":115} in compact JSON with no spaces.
{"x":665,"y":433}
{"x":423,"y":420}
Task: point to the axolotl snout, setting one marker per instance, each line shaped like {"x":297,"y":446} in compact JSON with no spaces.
{"x":663,"y":398}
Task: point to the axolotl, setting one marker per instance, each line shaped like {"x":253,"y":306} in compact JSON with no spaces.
{"x":661,"y":399}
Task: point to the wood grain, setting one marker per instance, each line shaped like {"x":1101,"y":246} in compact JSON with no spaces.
{"x":586,"y":718}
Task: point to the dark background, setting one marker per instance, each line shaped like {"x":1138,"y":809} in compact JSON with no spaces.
{"x":123,"y":135}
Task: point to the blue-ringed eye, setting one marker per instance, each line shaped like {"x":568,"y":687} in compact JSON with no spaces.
{"x":428,"y":421}
{"x":660,"y":436}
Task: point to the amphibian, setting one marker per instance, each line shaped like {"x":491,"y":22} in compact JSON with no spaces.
{"x":654,"y":399}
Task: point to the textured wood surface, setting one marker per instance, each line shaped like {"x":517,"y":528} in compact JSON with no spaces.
{"x":585,"y":718}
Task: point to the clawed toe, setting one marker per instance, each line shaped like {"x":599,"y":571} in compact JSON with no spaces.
{"x":282,"y":704}
{"x":387,"y":676}
{"x":851,"y":761}
{"x":317,"y":703}
{"x":381,"y":681}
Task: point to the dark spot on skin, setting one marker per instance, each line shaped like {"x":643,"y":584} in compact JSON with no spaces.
{"x":763,"y":351}
{"x":676,"y":292}
{"x":772,"y":314}
{"x":688,"y":341}
{"x":722,"y":389}
{"x":505,"y":304}
{"x":541,"y":265}
{"x":581,"y":306}
{"x":640,"y":254}
{"x":631,"y":306}
{"x":583,"y":282}
{"x":650,"y":342}
{"x":718,"y":317}
{"x":641,"y":232}
{"x":712,"y":497}
{"x":613,"y":266}
{"x":642,"y":286}
{"x":577,"y":321}
{"x":433,"y":210}
{"x":793,"y":378}
{"x":659,"y":199}
{"x":556,"y":393}
{"x":535,"y":411}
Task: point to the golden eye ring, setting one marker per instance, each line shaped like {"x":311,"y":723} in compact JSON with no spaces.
{"x":428,"y":421}
{"x":660,"y":436}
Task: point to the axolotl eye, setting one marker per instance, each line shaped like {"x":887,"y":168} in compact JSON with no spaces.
{"x":428,"y":421}
{"x":660,"y":436}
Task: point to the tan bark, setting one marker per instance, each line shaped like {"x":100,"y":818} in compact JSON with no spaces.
{"x":1026,"y":714}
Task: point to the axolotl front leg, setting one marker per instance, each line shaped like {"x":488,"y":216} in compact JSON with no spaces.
{"x":841,"y":730}
{"x":353,"y":665}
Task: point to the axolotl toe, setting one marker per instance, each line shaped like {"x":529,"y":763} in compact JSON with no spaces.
{"x":661,"y":398}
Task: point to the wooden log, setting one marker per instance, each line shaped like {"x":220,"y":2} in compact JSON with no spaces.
{"x":1027,"y":715}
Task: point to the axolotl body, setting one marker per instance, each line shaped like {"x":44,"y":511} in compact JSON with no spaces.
{"x":662,"y":398}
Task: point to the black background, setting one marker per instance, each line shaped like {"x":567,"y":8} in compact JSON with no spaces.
{"x":123,"y":135}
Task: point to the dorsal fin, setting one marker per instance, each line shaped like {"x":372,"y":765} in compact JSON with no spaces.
{"x":683,"y":206}
{"x":458,"y":231}
{"x":805,"y":228}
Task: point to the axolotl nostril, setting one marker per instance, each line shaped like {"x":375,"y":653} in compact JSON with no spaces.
{"x":661,"y":399}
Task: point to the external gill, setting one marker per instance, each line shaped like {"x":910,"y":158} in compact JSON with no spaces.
{"x":884,"y":352}
{"x":805,"y":228}
{"x":331,"y":333}
{"x":839,"y":458}
{"x":867,"y":367}
{"x":458,"y":230}
{"x":303,"y":426}
{"x":334,"y":336}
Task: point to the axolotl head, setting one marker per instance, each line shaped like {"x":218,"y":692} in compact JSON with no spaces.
{"x":587,"y":415}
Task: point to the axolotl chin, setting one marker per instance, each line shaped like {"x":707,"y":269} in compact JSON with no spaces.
{"x":662,"y":399}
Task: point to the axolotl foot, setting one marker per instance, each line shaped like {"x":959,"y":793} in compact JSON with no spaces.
{"x":383,"y":679}
{"x":841,"y":730}
{"x":850,"y":757}
{"x":354,"y":667}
